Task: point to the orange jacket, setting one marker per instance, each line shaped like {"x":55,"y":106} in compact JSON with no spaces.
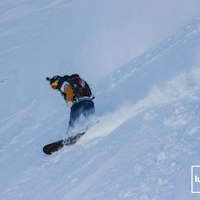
{"x":69,"y":93}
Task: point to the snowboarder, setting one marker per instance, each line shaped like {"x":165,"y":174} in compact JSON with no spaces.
{"x":77,"y":95}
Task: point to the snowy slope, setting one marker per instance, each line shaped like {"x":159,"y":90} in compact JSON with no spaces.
{"x":148,"y":134}
{"x":177,"y":54}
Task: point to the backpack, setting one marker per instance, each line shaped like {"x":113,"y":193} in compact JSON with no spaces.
{"x":80,"y":87}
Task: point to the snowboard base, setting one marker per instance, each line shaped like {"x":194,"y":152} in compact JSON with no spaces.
{"x":56,"y":146}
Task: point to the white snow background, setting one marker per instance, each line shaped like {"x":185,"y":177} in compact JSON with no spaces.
{"x":142,"y":59}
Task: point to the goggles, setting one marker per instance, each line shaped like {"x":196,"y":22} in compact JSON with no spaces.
{"x":54,"y":84}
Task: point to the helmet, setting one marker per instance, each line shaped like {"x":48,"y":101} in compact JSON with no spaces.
{"x":54,"y":82}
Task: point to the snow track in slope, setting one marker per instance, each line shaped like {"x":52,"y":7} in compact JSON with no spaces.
{"x":186,"y":85}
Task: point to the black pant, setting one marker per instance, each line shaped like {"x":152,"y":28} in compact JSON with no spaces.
{"x":85,"y":107}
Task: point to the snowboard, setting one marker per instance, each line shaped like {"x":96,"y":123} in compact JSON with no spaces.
{"x":56,"y":146}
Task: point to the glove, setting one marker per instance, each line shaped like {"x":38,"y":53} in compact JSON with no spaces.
{"x":69,"y":104}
